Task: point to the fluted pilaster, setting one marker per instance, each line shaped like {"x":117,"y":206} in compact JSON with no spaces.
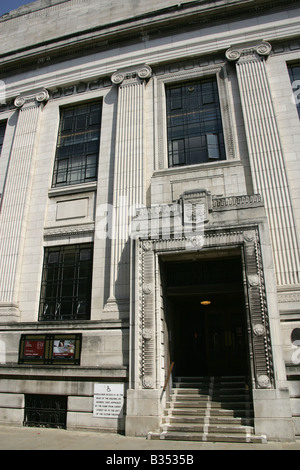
{"x":15,"y":198}
{"x":266,"y":157}
{"x":129,"y":179}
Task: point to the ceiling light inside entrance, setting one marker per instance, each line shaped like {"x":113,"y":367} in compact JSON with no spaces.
{"x":205,"y":302}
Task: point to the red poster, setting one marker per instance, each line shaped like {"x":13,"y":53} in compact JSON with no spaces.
{"x":34,"y":348}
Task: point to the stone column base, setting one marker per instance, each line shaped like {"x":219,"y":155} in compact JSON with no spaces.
{"x":143,"y":412}
{"x":273,"y":416}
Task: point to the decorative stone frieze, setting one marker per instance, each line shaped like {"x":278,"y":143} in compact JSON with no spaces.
{"x":69,"y":231}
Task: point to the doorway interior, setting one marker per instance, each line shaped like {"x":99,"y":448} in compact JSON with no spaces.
{"x":206,"y":315}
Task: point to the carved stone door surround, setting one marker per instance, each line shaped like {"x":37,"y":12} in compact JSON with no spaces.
{"x":148,"y":252}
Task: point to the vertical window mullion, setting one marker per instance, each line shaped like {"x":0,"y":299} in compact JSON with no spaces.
{"x":75,"y":283}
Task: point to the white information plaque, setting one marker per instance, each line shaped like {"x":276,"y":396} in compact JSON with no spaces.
{"x":108,"y":400}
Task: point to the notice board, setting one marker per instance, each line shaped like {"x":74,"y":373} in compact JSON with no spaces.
{"x":108,"y":400}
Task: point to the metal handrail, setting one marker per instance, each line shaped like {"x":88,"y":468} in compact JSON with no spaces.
{"x":169,"y":375}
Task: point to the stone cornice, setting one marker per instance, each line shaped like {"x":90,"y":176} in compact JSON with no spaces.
{"x":69,"y":231}
{"x":164,"y":21}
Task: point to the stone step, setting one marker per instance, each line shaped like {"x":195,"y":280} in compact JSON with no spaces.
{"x":238,"y":405}
{"x":206,"y":390}
{"x":215,"y":420}
{"x":208,"y":380}
{"x":212,"y":397}
{"x":199,"y":412}
{"x":209,"y":428}
{"x":208,"y":386}
{"x":216,"y":409}
{"x":204,"y":437}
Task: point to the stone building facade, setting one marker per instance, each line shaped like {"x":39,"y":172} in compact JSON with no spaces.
{"x":149,"y":170}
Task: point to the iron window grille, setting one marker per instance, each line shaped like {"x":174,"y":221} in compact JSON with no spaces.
{"x":294,"y":72}
{"x":46,"y":411}
{"x":77,"y":152}
{"x":194,"y":123}
{"x":67,"y":283}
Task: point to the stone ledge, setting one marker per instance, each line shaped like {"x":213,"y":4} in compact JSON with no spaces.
{"x":62,"y":372}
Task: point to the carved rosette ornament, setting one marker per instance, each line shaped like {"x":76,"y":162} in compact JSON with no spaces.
{"x":259,"y":329}
{"x":253,"y":280}
{"x":147,"y":334}
{"x":147,"y":289}
{"x":264,"y":381}
{"x":147,"y":382}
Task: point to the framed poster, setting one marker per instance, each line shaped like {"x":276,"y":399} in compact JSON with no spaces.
{"x":50,"y":349}
{"x":63,"y":348}
{"x":34,"y":348}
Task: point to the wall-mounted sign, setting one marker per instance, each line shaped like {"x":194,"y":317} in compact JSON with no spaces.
{"x":34,"y":348}
{"x":63,"y":348}
{"x":50,"y":349}
{"x":108,"y":400}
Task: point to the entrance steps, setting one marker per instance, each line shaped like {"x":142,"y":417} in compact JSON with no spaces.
{"x":211,"y":409}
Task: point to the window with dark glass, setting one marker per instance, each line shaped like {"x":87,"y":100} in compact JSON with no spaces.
{"x":2,"y":132}
{"x":67,"y":283}
{"x":195,"y":133}
{"x":78,"y":143}
{"x":294,"y":72}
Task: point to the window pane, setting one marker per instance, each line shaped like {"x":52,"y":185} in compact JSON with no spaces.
{"x":195,"y":133}
{"x":79,"y":136}
{"x":294,"y":72}
{"x":213,"y":146}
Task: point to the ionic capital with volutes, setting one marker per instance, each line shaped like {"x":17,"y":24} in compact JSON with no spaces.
{"x":131,"y":76}
{"x":32,"y":99}
{"x":245,"y":52}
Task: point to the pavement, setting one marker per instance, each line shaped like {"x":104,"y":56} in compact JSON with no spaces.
{"x":23,"y":438}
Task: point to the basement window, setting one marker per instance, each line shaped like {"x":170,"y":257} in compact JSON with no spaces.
{"x":46,"y":411}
